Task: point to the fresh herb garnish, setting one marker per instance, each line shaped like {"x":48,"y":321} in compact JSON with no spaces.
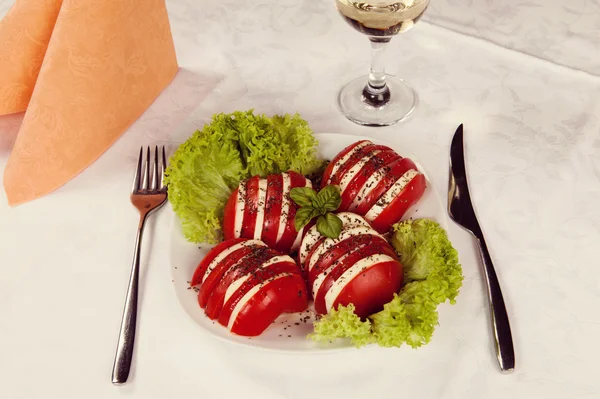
{"x":320,"y":205}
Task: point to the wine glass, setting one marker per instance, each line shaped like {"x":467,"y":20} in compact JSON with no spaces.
{"x":379,"y":99}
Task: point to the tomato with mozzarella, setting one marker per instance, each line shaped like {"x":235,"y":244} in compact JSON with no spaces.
{"x":246,"y":285}
{"x":375,"y":182}
{"x":262,"y":209}
{"x":358,"y":267}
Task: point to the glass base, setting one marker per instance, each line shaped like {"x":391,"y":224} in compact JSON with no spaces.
{"x":403,"y":101}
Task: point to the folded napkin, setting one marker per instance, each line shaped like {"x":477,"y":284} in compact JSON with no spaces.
{"x":101,"y":64}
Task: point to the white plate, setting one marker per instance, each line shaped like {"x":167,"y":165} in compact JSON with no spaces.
{"x":288,"y":333}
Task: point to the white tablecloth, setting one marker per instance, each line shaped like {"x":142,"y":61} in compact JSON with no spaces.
{"x":521,"y":76}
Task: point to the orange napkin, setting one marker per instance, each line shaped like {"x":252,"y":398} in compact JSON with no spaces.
{"x":105,"y":63}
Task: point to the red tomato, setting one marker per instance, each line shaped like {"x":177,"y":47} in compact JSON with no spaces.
{"x":351,"y":260}
{"x":376,"y":182}
{"x":351,"y":189}
{"x":246,"y":285}
{"x":212,"y":254}
{"x":357,"y":157}
{"x":399,"y":204}
{"x":371,"y":289}
{"x":272,"y":209}
{"x":263,"y":209}
{"x":358,"y":267}
{"x":339,"y":159}
{"x":264,"y":307}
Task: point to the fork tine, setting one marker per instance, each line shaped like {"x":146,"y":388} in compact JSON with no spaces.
{"x":155,"y":170}
{"x":138,"y":172}
{"x":164,"y":167}
{"x":146,"y":172}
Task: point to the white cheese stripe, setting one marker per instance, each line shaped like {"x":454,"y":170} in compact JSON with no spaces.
{"x":359,"y":267}
{"x":240,"y":206}
{"x":220,"y":257}
{"x":369,"y":186}
{"x":235,"y":285}
{"x":330,"y":242}
{"x":390,"y":195}
{"x":324,"y":273}
{"x":260,"y":208}
{"x":285,"y":206}
{"x":345,"y":159}
{"x":313,"y":236}
{"x":253,"y":291}
{"x":353,"y":171}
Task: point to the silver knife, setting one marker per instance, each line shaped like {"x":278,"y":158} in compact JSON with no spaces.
{"x":461,"y":211}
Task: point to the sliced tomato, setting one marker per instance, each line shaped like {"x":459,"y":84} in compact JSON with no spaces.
{"x":259,"y":258}
{"x":371,"y":289}
{"x":354,"y":159}
{"x":257,"y":281}
{"x":339,"y":159}
{"x":313,"y":238}
{"x":348,"y":232}
{"x":218,"y":269}
{"x":272,"y":210}
{"x":210,"y":256}
{"x":229,"y":216}
{"x":282,"y":295}
{"x":352,"y":188}
{"x":348,"y":261}
{"x":290,"y":234}
{"x":393,"y":211}
{"x":396,"y":170}
{"x":251,"y":208}
{"x":334,"y":253}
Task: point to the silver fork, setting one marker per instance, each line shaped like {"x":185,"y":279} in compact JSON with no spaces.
{"x":148,"y":194}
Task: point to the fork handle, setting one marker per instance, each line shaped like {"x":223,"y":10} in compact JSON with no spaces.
{"x":124,"y":353}
{"x":505,"y":351}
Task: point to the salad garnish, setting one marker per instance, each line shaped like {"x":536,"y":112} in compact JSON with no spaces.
{"x":318,"y":205}
{"x":205,"y":169}
{"x":432,"y":275}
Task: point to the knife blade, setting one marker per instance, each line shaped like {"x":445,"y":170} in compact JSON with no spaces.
{"x":460,"y":209}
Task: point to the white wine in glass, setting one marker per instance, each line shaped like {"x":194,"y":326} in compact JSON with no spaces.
{"x":379,"y":99}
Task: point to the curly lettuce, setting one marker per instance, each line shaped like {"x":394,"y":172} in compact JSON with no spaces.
{"x":205,"y":169}
{"x":432,"y":275}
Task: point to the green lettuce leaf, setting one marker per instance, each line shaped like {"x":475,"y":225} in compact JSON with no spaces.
{"x":204,"y":170}
{"x":201,"y":175}
{"x":432,"y":276}
{"x":343,"y":323}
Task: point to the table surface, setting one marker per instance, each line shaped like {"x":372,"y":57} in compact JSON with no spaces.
{"x":523,"y":78}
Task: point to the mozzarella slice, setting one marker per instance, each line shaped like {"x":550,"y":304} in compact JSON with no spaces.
{"x":327,"y":244}
{"x":253,"y":291}
{"x":260,"y":208}
{"x":235,"y":285}
{"x":240,"y":206}
{"x":345,"y":159}
{"x":353,"y":171}
{"x":220,"y":257}
{"x":359,"y":267}
{"x":285,"y":206}
{"x":390,"y":194}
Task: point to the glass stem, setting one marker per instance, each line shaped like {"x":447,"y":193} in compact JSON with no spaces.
{"x":376,"y":93}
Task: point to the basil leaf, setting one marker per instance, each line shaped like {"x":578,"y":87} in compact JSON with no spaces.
{"x":329,"y":199}
{"x":303,"y":196}
{"x":329,"y":225}
{"x":303,"y":217}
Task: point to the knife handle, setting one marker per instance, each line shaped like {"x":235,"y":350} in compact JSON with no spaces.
{"x":500,"y":324}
